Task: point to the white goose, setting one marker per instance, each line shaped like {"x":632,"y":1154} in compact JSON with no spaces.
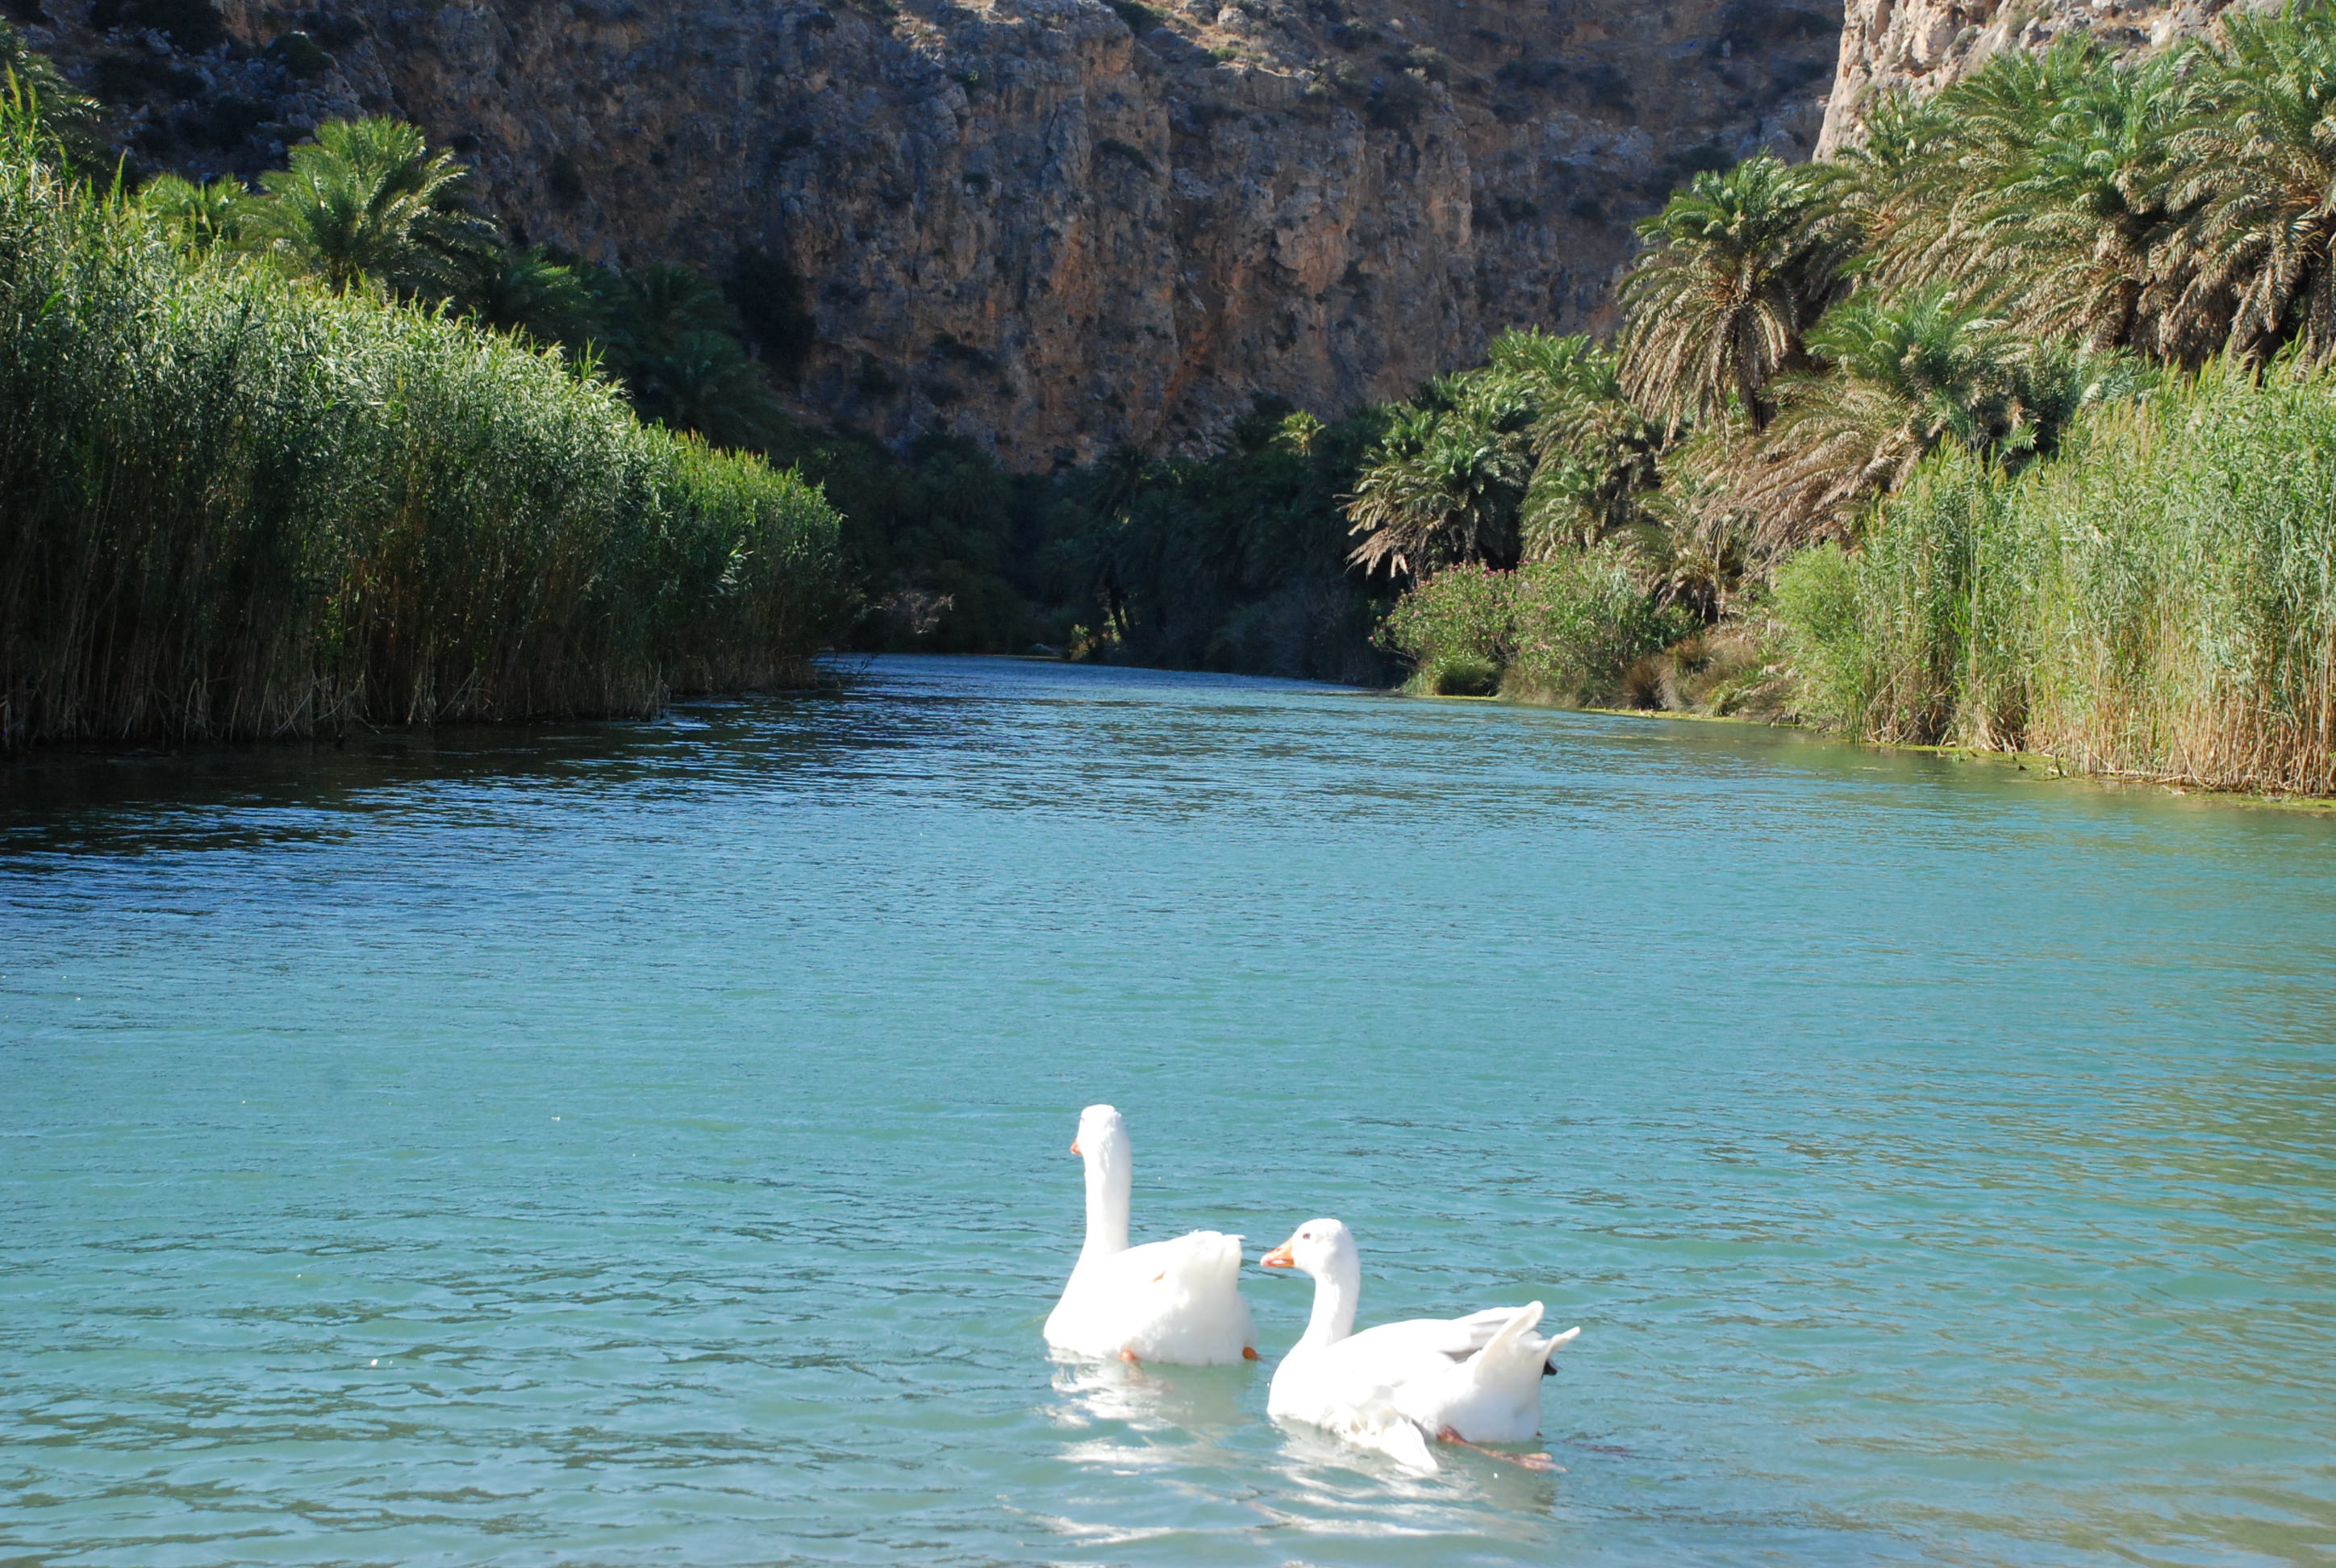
{"x":1175,"y":1300}
{"x":1470,"y":1380}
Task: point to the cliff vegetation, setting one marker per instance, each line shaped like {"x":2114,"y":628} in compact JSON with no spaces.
{"x":2010,"y":427}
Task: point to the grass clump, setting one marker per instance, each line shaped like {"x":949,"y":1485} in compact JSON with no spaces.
{"x":1140,"y":18}
{"x":236,"y":503}
{"x":2161,"y":601}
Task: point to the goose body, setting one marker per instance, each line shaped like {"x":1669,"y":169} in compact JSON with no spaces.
{"x":1177,"y":1302}
{"x":1399,"y":1386}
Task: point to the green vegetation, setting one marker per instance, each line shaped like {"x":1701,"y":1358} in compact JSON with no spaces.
{"x":238,"y":500}
{"x":1743,"y":263}
{"x":367,"y":200}
{"x":1233,"y":562}
{"x":2161,"y":601}
{"x":2013,"y":426}
{"x":2009,"y":428}
{"x":1575,"y":628}
{"x":70,"y":118}
{"x":1237,"y":562}
{"x":943,"y":542}
{"x":371,"y":203}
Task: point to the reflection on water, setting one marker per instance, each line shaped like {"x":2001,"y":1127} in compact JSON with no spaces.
{"x":1195,"y":1404}
{"x":603,"y":1143}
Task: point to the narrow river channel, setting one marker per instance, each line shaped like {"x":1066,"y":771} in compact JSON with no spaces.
{"x":646,"y":1143}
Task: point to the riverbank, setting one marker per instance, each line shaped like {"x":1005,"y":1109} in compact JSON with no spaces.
{"x":2010,"y":426}
{"x":2156,"y":601}
{"x":236,"y":503}
{"x":2042,"y":766}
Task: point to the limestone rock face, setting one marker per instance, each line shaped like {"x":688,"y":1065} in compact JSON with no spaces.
{"x":1051,"y":224}
{"x":1923,"y":45}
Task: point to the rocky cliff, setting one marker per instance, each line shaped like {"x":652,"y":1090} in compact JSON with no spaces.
{"x":1053,"y":224}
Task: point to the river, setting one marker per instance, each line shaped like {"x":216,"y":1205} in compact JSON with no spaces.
{"x":646,"y":1143}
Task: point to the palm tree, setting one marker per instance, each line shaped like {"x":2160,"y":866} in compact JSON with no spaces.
{"x":1541,"y":384}
{"x":704,"y":382}
{"x":1692,"y":552}
{"x":1125,"y":505}
{"x":33,"y":85}
{"x":1593,"y":484}
{"x":1741,"y":263}
{"x":1110,"y":484}
{"x":1906,"y":376}
{"x":1594,"y":452}
{"x":200,"y":216}
{"x":650,"y":309}
{"x":2086,"y":217}
{"x":368,"y":198}
{"x":1298,"y":434}
{"x":527,"y":291}
{"x":1942,"y":159}
{"x":1889,"y":187}
{"x":672,"y":338}
{"x":2050,"y":193}
{"x":1441,"y":486}
{"x":2260,"y":166}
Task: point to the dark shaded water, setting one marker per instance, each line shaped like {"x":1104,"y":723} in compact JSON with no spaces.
{"x":637,"y":1145}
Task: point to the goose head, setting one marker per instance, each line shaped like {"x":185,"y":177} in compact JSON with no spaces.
{"x":1324,"y":1249}
{"x":1102,"y":1137}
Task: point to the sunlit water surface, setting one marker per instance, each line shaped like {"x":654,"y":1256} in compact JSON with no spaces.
{"x":623,"y":1144}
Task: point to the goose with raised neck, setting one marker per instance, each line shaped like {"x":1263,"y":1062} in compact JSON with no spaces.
{"x":1176,"y":1301}
{"x":1110,"y":1160}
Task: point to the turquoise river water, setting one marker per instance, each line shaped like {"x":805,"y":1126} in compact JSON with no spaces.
{"x":646,"y":1143}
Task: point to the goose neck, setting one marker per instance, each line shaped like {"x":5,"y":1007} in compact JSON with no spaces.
{"x":1338,"y":1291}
{"x":1110,"y":1176}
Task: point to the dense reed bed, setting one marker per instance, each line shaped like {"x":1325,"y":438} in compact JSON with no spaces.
{"x":2159,"y":601}
{"x":235,"y":504}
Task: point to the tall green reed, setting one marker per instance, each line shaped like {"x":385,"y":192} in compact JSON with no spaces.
{"x":234,"y":503}
{"x":2159,"y":600}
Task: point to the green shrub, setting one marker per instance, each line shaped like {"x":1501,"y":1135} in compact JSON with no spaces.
{"x":1461,"y":676}
{"x":1565,"y":629}
{"x":234,"y":503}
{"x":1462,"y":619}
{"x":1581,"y":620}
{"x":1880,"y":640}
{"x":1816,"y":600}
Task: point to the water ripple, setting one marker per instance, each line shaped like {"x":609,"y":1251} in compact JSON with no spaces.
{"x":624,"y":1143}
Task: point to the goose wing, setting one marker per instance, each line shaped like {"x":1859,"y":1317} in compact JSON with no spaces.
{"x":1176,"y":1300}
{"x":1453,"y":1339}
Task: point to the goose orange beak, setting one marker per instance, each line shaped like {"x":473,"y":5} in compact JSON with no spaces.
{"x":1279,"y":1257}
{"x":1075,"y":1147}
